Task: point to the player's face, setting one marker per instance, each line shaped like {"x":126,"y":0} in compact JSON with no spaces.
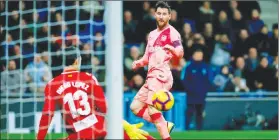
{"x":162,"y":16}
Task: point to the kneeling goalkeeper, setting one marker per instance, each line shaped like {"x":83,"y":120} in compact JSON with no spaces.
{"x":82,"y":102}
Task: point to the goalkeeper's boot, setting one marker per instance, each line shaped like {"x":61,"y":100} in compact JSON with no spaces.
{"x":170,"y":126}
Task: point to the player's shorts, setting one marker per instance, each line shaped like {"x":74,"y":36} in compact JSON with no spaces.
{"x":155,"y":81}
{"x":98,"y":131}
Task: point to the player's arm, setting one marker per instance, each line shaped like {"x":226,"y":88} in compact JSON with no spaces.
{"x":143,"y":61}
{"x":175,"y":47}
{"x":99,"y":98}
{"x":47,"y":114}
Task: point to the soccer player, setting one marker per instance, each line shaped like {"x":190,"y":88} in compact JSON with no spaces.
{"x":163,"y":44}
{"x":82,"y":102}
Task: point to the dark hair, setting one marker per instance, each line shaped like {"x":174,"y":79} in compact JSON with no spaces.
{"x":162,"y":4}
{"x":69,"y":55}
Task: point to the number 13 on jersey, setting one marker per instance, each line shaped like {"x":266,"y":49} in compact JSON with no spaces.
{"x":80,"y":96}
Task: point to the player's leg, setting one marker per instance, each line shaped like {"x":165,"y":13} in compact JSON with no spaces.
{"x":162,"y":125}
{"x":139,"y":107}
{"x":159,"y":121}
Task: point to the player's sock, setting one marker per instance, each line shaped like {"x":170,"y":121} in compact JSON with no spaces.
{"x":161,"y":125}
{"x":143,"y":113}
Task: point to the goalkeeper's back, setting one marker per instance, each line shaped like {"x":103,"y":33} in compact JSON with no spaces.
{"x":81,"y":100}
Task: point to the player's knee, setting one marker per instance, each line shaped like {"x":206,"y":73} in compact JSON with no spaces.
{"x":134,"y":108}
{"x":152,"y":110}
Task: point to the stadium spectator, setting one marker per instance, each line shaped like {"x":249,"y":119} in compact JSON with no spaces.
{"x":256,"y":23}
{"x":99,"y":47}
{"x":223,"y":82}
{"x":221,"y":54}
{"x":14,"y":19}
{"x":29,"y":49}
{"x":208,"y":35}
{"x":176,"y":73}
{"x":242,"y":44}
{"x":174,"y":21}
{"x":11,"y":80}
{"x":43,"y":33}
{"x":274,"y":80}
{"x":129,"y":27}
{"x":199,"y":43}
{"x":194,"y":74}
{"x":86,"y":58}
{"x":126,"y":86}
{"x":264,"y":74}
{"x":223,"y":25}
{"x":36,"y":75}
{"x":246,"y":8}
{"x":97,"y":70}
{"x":240,"y":74}
{"x":233,"y":6}
{"x":274,"y":41}
{"x":146,"y":7}
{"x":134,"y":55}
{"x":187,"y":40}
{"x":98,"y":12}
{"x":240,"y":67}
{"x":238,"y":22}
{"x":206,"y":14}
{"x":261,"y":42}
{"x":8,"y":46}
{"x":136,"y":83}
{"x":146,"y":25}
{"x":45,"y":58}
{"x":252,"y":61}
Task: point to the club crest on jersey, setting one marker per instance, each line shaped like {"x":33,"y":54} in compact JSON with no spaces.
{"x":163,"y":38}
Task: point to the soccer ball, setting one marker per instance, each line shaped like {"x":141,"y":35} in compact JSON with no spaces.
{"x":163,"y":100}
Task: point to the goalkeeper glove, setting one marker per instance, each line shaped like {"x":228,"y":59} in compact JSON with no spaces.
{"x":134,"y":131}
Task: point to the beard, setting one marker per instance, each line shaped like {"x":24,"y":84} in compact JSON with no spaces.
{"x":161,"y":25}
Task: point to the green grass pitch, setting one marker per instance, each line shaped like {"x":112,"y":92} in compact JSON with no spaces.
{"x":226,"y":135}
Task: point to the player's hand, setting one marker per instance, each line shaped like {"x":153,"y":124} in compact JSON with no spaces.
{"x":169,"y":47}
{"x":135,"y":65}
{"x":134,"y":131}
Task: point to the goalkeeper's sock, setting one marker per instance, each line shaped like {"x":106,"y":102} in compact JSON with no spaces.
{"x":143,"y":113}
{"x":161,"y":125}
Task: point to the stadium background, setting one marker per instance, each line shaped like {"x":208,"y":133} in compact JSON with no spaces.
{"x":38,"y":30}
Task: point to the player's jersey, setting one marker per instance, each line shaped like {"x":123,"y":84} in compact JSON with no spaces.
{"x":158,"y":57}
{"x":73,"y":92}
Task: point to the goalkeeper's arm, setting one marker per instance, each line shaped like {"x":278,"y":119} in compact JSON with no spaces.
{"x":99,"y":99}
{"x":47,"y":114}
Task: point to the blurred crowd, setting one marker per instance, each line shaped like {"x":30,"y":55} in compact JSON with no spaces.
{"x":237,"y":45}
{"x":31,"y":47}
{"x":235,"y":42}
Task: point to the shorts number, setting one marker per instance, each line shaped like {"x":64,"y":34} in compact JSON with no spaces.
{"x":69,"y":98}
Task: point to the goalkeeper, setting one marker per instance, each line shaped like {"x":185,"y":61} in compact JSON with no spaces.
{"x":82,"y":102}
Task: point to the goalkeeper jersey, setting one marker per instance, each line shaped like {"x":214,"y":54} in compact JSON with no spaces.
{"x":80,"y":98}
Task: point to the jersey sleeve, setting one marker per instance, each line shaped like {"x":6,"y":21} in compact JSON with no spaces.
{"x":176,"y":43}
{"x":49,"y":106}
{"x":47,"y":113}
{"x":99,"y":99}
